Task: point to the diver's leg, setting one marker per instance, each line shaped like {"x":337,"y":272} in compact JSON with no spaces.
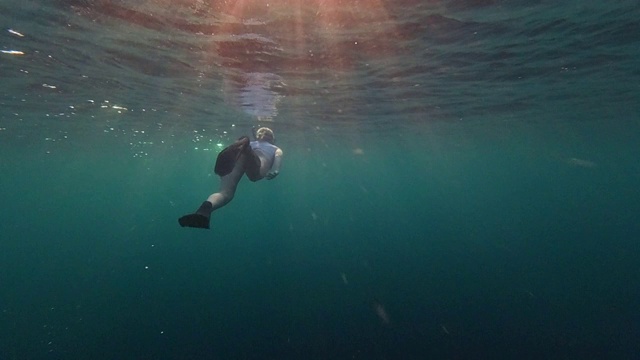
{"x":228,"y":185}
{"x":226,"y":160}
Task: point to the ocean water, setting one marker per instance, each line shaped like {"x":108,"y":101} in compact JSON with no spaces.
{"x":460,"y":179}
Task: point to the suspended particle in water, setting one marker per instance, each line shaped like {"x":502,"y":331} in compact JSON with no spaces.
{"x":444,"y":329}
{"x":581,"y":163}
{"x":344,"y":278}
{"x":381,"y":312}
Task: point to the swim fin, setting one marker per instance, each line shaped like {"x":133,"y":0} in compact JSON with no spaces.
{"x":199,"y":219}
{"x":228,"y":157}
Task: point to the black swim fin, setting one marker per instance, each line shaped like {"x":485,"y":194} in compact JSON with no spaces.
{"x":228,"y":157}
{"x":199,"y":219}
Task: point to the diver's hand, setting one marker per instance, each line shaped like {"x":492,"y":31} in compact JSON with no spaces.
{"x":272,"y":174}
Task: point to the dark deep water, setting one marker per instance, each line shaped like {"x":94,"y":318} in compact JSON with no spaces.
{"x":460,"y":180}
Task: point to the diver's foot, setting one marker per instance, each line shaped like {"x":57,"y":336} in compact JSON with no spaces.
{"x":199,"y":219}
{"x":228,"y":157}
{"x":194,"y":221}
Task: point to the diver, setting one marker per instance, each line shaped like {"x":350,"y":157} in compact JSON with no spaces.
{"x":258,"y":159}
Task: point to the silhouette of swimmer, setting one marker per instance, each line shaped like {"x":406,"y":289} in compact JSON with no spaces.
{"x":258,"y":159}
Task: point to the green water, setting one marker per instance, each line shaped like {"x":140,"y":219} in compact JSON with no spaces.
{"x":489,"y":239}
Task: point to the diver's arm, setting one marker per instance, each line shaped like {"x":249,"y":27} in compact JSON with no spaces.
{"x":275,"y":168}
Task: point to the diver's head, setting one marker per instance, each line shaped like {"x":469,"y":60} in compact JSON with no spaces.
{"x":265,"y":134}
